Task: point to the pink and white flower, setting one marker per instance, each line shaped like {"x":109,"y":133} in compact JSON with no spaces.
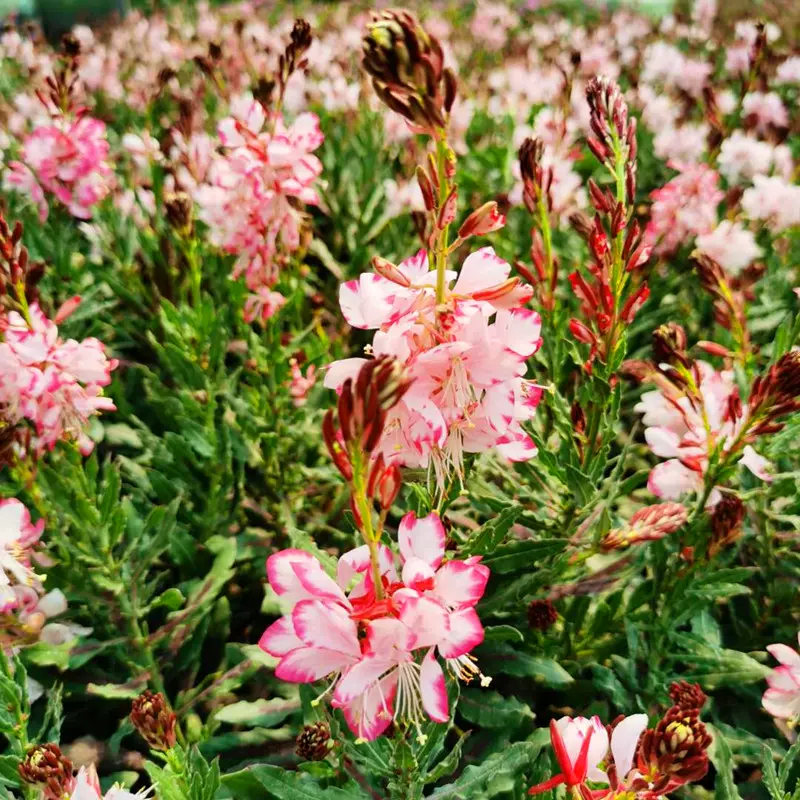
{"x":686,"y":430}
{"x":17,"y":537}
{"x":66,"y":159}
{"x":782,"y":698}
{"x":55,"y":384}
{"x":250,"y":195}
{"x":467,"y":358}
{"x":684,"y":208}
{"x":425,"y":613}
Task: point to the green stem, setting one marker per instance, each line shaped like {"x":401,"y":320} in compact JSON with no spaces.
{"x":368,"y":532}
{"x":23,"y":302}
{"x":441,"y":247}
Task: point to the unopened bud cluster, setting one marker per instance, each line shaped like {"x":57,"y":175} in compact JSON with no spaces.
{"x":406,"y":65}
{"x":154,"y":720}
{"x":361,"y":411}
{"x":47,"y":768}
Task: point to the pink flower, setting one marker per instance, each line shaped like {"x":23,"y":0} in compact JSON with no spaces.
{"x":393,"y":669}
{"x":300,"y":385}
{"x":467,"y":358}
{"x":773,"y":200}
{"x":782,"y":698}
{"x":731,"y":245}
{"x":251,"y":196}
{"x":17,"y":537}
{"x":581,"y":745}
{"x":684,"y":207}
{"x":767,"y":109}
{"x":686,"y":432}
{"x":262,"y":304}
{"x":68,"y":160}
{"x":55,"y":384}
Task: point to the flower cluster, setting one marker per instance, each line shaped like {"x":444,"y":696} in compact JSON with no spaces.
{"x":466,"y":356}
{"x":252,"y":199}
{"x":693,"y":411}
{"x":381,"y":648}
{"x":55,"y":384}
{"x":65,"y":157}
{"x":684,"y":208}
{"x":696,"y":416}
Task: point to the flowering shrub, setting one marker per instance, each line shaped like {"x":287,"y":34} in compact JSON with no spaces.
{"x":399,"y":406}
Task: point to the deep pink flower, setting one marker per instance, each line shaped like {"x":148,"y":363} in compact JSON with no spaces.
{"x":66,"y":159}
{"x":425,"y":613}
{"x":55,"y":384}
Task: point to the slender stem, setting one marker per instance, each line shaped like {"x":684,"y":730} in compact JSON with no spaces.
{"x":362,"y":503}
{"x":23,"y":302}
{"x":441,"y":247}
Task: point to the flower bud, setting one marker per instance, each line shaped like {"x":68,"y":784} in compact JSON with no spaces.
{"x":314,"y":742}
{"x":687,"y":695}
{"x":669,"y":344}
{"x":482,"y":221}
{"x":46,"y":767}
{"x":154,"y":720}
{"x":179,"y":207}
{"x":389,"y":486}
{"x":542,"y":615}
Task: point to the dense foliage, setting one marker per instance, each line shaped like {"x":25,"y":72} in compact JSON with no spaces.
{"x":480,"y":330}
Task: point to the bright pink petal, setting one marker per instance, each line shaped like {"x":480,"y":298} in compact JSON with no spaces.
{"x":465,"y":634}
{"x":427,"y":620}
{"x":318,"y":583}
{"x":433,"y":689}
{"x":326,"y":625}
{"x":361,"y":677}
{"x":309,"y":664}
{"x":461,"y":585}
{"x":369,"y":714}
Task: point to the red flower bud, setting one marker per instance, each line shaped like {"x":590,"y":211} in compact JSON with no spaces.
{"x":581,"y":332}
{"x":482,"y":221}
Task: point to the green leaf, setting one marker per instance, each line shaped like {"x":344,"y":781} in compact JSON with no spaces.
{"x":114,"y":691}
{"x":447,"y":766}
{"x":493,"y":710}
{"x":258,"y":712}
{"x":502,"y":633}
{"x":9,"y":772}
{"x":517,"y":556}
{"x":490,"y":535}
{"x":722,"y":759}
{"x":513,"y":760}
{"x":501,"y":657}
{"x":264,"y":780}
